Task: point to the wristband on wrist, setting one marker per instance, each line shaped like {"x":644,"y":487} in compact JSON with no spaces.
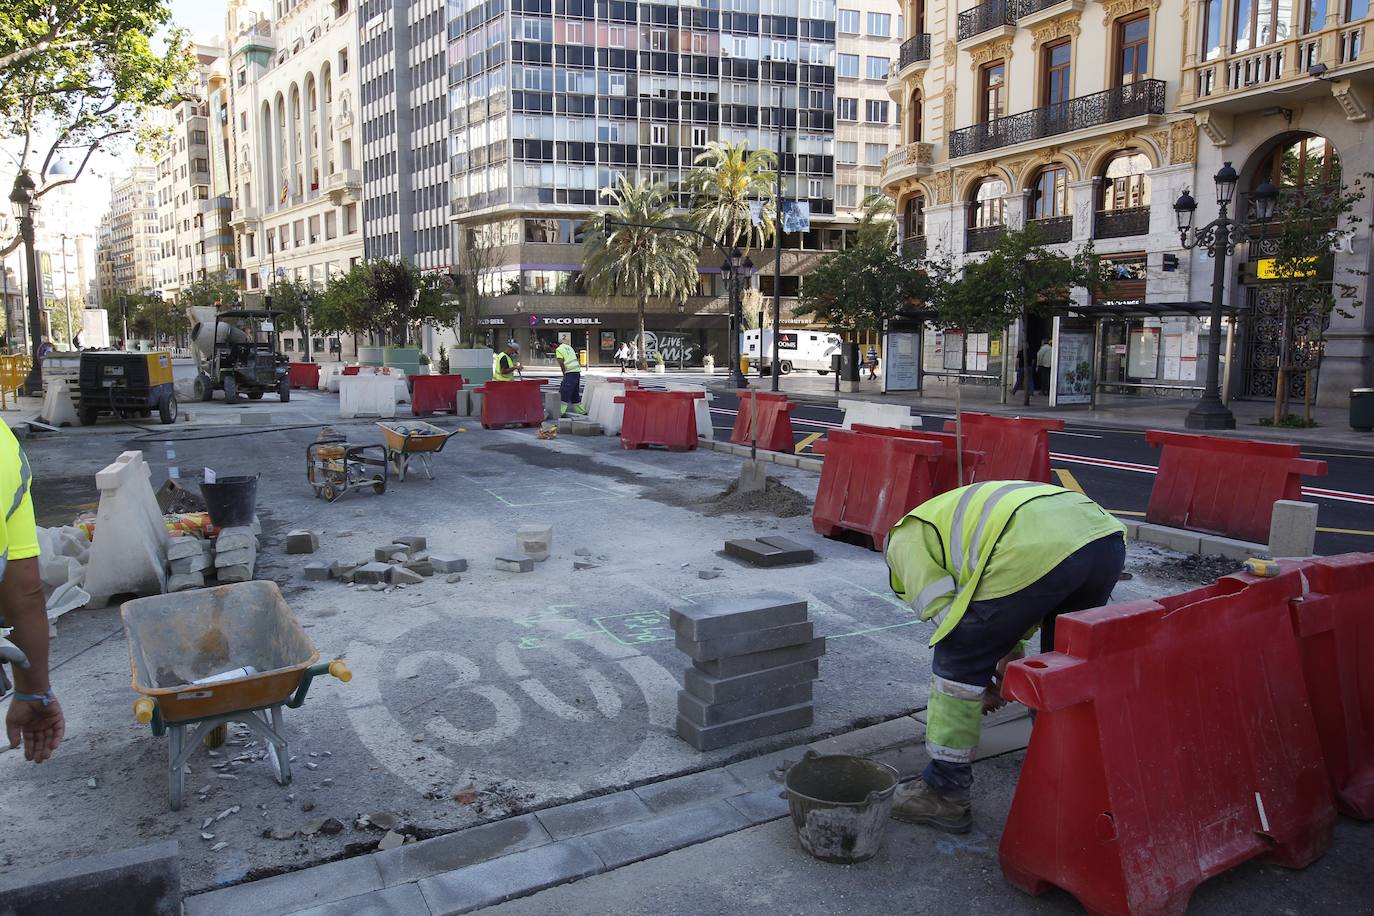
{"x":45,"y":697}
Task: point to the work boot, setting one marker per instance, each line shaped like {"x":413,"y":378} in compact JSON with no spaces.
{"x":918,"y":803}
{"x":579,"y":409}
{"x":562,"y":410}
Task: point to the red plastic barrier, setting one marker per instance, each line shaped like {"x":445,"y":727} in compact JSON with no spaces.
{"x":664,"y":418}
{"x":1334,"y":623}
{"x":517,"y":403}
{"x":945,"y":469}
{"x":869,"y":482}
{"x":1014,"y":448}
{"x":1174,"y":740}
{"x":775,"y":421}
{"x":351,"y":370}
{"x":433,"y":393}
{"x":1224,"y":486}
{"x":303,"y":375}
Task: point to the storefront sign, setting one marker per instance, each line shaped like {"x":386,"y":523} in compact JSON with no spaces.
{"x":565,"y":320}
{"x":491,"y":322}
{"x":676,"y":348}
{"x":1268,"y":269}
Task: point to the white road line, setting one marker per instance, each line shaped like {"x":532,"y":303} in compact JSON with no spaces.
{"x":1060,"y":432}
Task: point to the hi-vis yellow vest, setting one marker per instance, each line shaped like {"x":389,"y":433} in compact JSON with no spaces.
{"x":566,"y":355}
{"x":503,"y":367}
{"x":968,"y":522}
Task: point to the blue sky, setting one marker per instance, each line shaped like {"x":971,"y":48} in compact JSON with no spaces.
{"x":199,"y":15}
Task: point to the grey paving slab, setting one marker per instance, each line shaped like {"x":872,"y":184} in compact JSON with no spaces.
{"x":685,"y":791}
{"x":593,"y":814}
{"x":711,"y":737}
{"x":864,"y":741}
{"x":907,"y":759}
{"x":702,"y":713}
{"x":711,"y":689}
{"x":645,"y":839}
{"x":731,"y":614}
{"x":291,"y":892}
{"x":758,"y":772}
{"x":761,"y":805}
{"x":508,"y":877}
{"x":757,"y":553}
{"x":794,"y":634}
{"x":402,"y":900}
{"x":457,"y":850}
{"x":758,"y":661}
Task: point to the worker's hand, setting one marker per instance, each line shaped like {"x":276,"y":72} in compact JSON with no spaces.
{"x":992,"y":697}
{"x":41,"y":728}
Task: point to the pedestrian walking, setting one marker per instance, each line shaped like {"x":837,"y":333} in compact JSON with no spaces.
{"x":872,"y":362}
{"x":622,"y":355}
{"x":1043,"y":359}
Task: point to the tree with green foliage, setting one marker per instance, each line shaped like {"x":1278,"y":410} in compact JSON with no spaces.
{"x":645,"y":261}
{"x":386,"y":298}
{"x":293,"y":298}
{"x":861,"y":288}
{"x":878,"y":222}
{"x":1018,"y":278}
{"x":158,"y":320}
{"x":218,"y":290}
{"x":80,"y":76}
{"x":725,"y":181}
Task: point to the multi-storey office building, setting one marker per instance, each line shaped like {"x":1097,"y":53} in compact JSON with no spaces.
{"x":127,"y":249}
{"x":551,"y":102}
{"x":868,"y":41}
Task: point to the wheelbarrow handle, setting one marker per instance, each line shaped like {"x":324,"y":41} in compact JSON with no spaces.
{"x":336,"y":668}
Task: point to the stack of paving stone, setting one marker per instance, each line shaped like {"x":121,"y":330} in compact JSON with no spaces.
{"x":236,"y":554}
{"x":754,"y":659}
{"x":188,"y":558}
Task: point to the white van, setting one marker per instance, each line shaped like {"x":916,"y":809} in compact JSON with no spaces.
{"x":796,"y":350}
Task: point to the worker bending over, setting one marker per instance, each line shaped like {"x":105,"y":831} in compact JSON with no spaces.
{"x":504,"y":366}
{"x":570,"y":389}
{"x":990,"y":563}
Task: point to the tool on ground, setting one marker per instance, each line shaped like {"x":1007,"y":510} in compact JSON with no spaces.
{"x":333,"y":467}
{"x":177,"y":640}
{"x":404,"y":440}
{"x":238,"y":352}
{"x":1263,"y":567}
{"x":126,"y":385}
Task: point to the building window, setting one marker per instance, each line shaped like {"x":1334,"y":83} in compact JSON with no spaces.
{"x":617,"y":37}
{"x":815,"y":188}
{"x":846,"y":195}
{"x":987,"y":208}
{"x":992,"y":80}
{"x":658,"y":134}
{"x":1301,"y":163}
{"x":846,"y":152}
{"x":1211,"y":28}
{"x":879,"y":25}
{"x":1050,"y":193}
{"x":875,"y":112}
{"x":877,"y":67}
{"x":699,"y":138}
{"x":815,"y":98}
{"x":1126,"y":181}
{"x":848,"y":22}
{"x":914,"y":119}
{"x":874,"y":153}
{"x":658,"y":39}
{"x":847,"y":65}
{"x":1133,"y":49}
{"x":847,"y":109}
{"x":1056,"y":64}
{"x":575,"y":34}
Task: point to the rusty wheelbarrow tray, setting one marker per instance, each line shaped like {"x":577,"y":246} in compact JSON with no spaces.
{"x":407,"y":439}
{"x":179,"y":639}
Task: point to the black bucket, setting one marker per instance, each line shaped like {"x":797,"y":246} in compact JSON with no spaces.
{"x":231,"y":501}
{"x":840,"y":805}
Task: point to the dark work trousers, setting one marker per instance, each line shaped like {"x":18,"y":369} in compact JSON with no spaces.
{"x":969,"y":653}
{"x":570,"y":388}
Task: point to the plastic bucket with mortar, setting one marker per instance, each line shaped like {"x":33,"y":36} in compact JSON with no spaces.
{"x":840,"y":805}
{"x":231,"y":501}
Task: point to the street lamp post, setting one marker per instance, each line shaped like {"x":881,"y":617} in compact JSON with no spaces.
{"x":22,"y":199}
{"x":66,"y":288}
{"x":306,"y":298}
{"x":1219,"y":238}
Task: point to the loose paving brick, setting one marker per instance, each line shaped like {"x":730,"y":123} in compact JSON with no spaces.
{"x":239,"y":556}
{"x":534,"y":541}
{"x":587,"y":428}
{"x":235,"y":538}
{"x":516,"y":563}
{"x":342,"y":571}
{"x":623,"y":845}
{"x":704,"y":714}
{"x":390,"y":553}
{"x":733,"y":614}
{"x":686,"y":791}
{"x":593,"y":814}
{"x":415,"y":542}
{"x":712,"y":689}
{"x":757,"y":553}
{"x":302,"y":541}
{"x":461,"y":849}
{"x":143,"y":881}
{"x":180,"y":582}
{"x":761,"y":806}
{"x":771,"y":723}
{"x":399,"y":575}
{"x":421,"y":567}
{"x":372,"y":573}
{"x":443,"y":563}
{"x":794,"y":634}
{"x":488,"y":883}
{"x":179,"y":548}
{"x":193,"y":564}
{"x":237,"y":573}
{"x":758,"y":661}
{"x":317,"y":572}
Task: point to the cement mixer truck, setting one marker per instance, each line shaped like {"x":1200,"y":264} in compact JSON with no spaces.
{"x":237,"y":353}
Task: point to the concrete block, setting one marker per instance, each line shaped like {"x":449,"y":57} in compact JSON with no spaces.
{"x":371,"y":573}
{"x":873,"y":413}
{"x":415,"y":542}
{"x":712,"y":737}
{"x":129,"y":552}
{"x":1132,"y":529}
{"x":565,"y":425}
{"x":785,"y":459}
{"x":1231,"y":548}
{"x":421,"y":566}
{"x":401,"y":900}
{"x":759,"y":661}
{"x":587,"y":428}
{"x":193,"y":564}
{"x":758,"y":553}
{"x":255,"y":418}
{"x":1173,"y":538}
{"x":297,"y":890}
{"x":475,"y":403}
{"x":390,"y":553}
{"x":732,"y":614}
{"x":753,"y":476}
{"x":701,"y":713}
{"x":184,"y":547}
{"x":317,"y":572}
{"x":794,"y":634}
{"x":239,"y":556}
{"x":657,"y":836}
{"x":521,"y":874}
{"x":534,"y":541}
{"x":302,"y":540}
{"x":593,"y":814}
{"x":460,"y":402}
{"x":712,"y":573}
{"x":690,"y":790}
{"x":809,"y":464}
{"x":461,"y":849}
{"x":399,"y":575}
{"x":143,"y":881}
{"x":516,"y":563}
{"x":342,"y":571}
{"x":552,"y":404}
{"x":711,"y":689}
{"x":236,"y":538}
{"x":239,"y":573}
{"x":761,"y":805}
{"x":1293,"y":529}
{"x":447,"y":564}
{"x":180,"y":582}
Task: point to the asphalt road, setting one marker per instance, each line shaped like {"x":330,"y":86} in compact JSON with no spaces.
{"x":1116,"y":468}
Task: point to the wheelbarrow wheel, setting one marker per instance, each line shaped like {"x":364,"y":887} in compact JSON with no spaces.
{"x":215,"y":736}
{"x":379,"y":486}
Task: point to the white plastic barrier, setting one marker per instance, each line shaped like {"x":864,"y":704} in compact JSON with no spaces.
{"x":129,"y":550}
{"x":367,"y":395}
{"x":329,"y":372}
{"x":58,"y":409}
{"x":868,"y":413}
{"x":604,"y":410}
{"x":705,"y":429}
{"x":63,"y":554}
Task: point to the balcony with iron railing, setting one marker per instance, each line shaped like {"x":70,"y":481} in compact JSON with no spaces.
{"x":1134,"y":100}
{"x":982,"y":238}
{"x":1121,"y":222}
{"x":914,"y":246}
{"x":985,"y":17}
{"x":915,"y":50}
{"x":1053,"y":229}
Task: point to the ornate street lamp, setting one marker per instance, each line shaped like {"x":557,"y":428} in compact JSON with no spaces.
{"x":21,"y":197}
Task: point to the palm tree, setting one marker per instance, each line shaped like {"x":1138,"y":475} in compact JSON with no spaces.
{"x":647,"y":263}
{"x":724,"y":180}
{"x":878,"y":224}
